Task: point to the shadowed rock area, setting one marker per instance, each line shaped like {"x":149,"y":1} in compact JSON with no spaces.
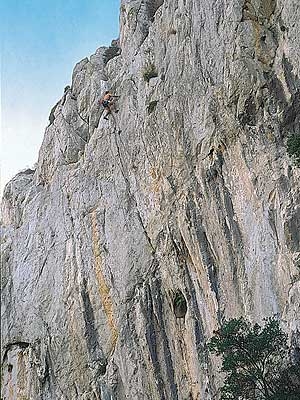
{"x":135,"y":237}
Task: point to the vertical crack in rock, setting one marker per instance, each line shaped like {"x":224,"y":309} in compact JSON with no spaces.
{"x":205,"y":248}
{"x":222,"y":196}
{"x":198,"y":327}
{"x":166,"y":347}
{"x":152,"y":342}
{"x":91,"y":333}
{"x":104,"y":290}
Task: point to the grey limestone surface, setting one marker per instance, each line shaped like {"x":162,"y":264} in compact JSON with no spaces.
{"x":189,"y":187}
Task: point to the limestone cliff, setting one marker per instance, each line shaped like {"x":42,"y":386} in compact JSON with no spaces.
{"x":188,"y":190}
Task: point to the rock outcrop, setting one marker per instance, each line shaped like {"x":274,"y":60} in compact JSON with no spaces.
{"x":188,"y":191}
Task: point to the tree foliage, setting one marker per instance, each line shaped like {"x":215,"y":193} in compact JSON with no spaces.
{"x":255,"y":360}
{"x":293,"y":148}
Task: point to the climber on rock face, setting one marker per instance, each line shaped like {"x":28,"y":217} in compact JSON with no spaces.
{"x":108,"y":103}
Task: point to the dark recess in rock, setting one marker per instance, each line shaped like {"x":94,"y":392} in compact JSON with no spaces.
{"x":46,"y":375}
{"x":152,"y":7}
{"x":198,"y":325}
{"x":291,"y":116}
{"x":171,"y":181}
{"x":292,"y":81}
{"x":152,"y":342}
{"x":151,"y":107}
{"x":149,"y":72}
{"x":291,"y":231}
{"x":148,"y":10}
{"x":296,"y":355}
{"x":248,"y":117}
{"x":275,"y":88}
{"x":272,"y":220}
{"x":205,"y":248}
{"x":91,"y":333}
{"x":284,"y":183}
{"x":113,"y":51}
{"x":179,"y":304}
{"x":9,"y":346}
{"x":166,"y":347}
{"x":28,"y":171}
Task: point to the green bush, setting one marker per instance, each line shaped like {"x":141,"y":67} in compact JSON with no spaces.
{"x":256,"y":361}
{"x":150,"y":72}
{"x":152,"y":106}
{"x":179,"y":299}
{"x":293,"y":148}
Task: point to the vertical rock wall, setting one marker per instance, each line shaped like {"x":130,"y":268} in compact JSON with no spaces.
{"x":187,"y":189}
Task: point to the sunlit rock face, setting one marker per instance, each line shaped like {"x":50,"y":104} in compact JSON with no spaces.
{"x":188,"y":191}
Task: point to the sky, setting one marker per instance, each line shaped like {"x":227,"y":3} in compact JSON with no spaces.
{"x":41,"y":41}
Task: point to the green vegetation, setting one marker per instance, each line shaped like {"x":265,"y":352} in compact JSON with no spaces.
{"x":293,"y":148}
{"x":172,"y":31}
{"x":179,"y":299}
{"x":151,"y":107}
{"x":150,"y":72}
{"x":179,"y":304}
{"x":132,"y":12}
{"x":255,"y":361}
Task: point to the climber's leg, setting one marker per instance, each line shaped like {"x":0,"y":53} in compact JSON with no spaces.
{"x":108,"y":112}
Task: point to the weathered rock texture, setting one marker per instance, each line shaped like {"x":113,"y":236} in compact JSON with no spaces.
{"x":189,"y":188}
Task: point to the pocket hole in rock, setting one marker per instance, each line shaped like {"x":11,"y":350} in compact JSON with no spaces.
{"x":179,"y":305}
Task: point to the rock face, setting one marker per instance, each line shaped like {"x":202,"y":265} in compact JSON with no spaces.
{"x":188,"y":191}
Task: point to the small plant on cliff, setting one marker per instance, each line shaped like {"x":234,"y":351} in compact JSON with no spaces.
{"x":172,"y":31}
{"x":179,"y":304}
{"x":149,"y":72}
{"x":255,"y":360}
{"x":293,"y":148}
{"x":151,"y":107}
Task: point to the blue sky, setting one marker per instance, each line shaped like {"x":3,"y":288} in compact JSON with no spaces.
{"x":41,"y":41}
